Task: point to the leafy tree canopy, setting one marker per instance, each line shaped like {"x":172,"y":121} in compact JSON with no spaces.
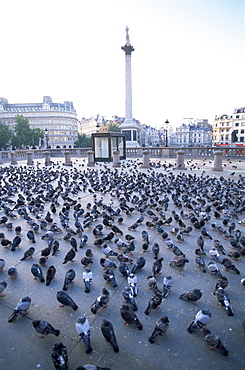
{"x":113,"y":127}
{"x":24,"y":135}
{"x":83,"y":141}
{"x":5,"y":136}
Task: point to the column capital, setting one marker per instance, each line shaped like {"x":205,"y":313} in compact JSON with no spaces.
{"x":127,"y":49}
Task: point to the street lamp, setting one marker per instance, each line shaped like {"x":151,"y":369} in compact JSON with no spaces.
{"x":47,"y":138}
{"x":166,"y":132}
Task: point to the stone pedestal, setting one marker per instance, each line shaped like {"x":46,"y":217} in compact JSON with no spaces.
{"x":68,"y":161}
{"x":30,"y":159}
{"x":116,"y":159}
{"x":13,"y":158}
{"x":90,"y":154}
{"x":218,"y":161}
{"x":146,"y":159}
{"x":47,"y":158}
{"x":180,"y":160}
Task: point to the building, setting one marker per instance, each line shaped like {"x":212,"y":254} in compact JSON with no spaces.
{"x":58,"y":121}
{"x":194,"y":132}
{"x":229,"y":130}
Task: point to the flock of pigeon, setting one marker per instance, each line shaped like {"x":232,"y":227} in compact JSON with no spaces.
{"x":134,"y":222}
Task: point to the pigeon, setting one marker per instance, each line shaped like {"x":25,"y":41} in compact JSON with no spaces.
{"x":192,"y":295}
{"x":180,"y":263}
{"x":37,"y":272}
{"x":224,"y":300}
{"x":200,"y":263}
{"x":213,"y":341}
{"x":109,"y":334}
{"x":168,"y":281}
{"x":133,"y":283}
{"x":21,"y":308}
{"x":3,"y":285}
{"x":87,"y":279}
{"x":83,"y":330}
{"x":69,"y":278}
{"x":154,"y":302}
{"x":73,"y":243}
{"x":129,"y":298}
{"x":221,"y":282}
{"x":201,"y":319}
{"x":214,"y":254}
{"x":16,"y":243}
{"x":108,"y":251}
{"x":152,"y":282}
{"x":50,"y":274}
{"x":31,"y":236}
{"x":107,"y":263}
{"x":139,"y":264}
{"x":49,"y":234}
{"x":66,"y":300}
{"x":12,"y":272}
{"x":70,"y":255}
{"x":59,"y":356}
{"x":109,"y":277}
{"x":155,"y":250}
{"x":177,"y":252}
{"x":6,"y":243}
{"x":123,"y":258}
{"x":157,"y":266}
{"x":28,"y":253}
{"x":229,"y":266}
{"x":2,"y":264}
{"x":101,"y":301}
{"x":130,"y":317}
{"x":161,"y":328}
{"x":55,"y":246}
{"x":44,"y":328}
{"x":124,"y":270}
{"x":213,"y":269}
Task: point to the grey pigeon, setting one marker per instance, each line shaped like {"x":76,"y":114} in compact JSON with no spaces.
{"x":83,"y":330}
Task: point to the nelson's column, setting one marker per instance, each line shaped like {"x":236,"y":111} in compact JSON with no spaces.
{"x":129,"y":127}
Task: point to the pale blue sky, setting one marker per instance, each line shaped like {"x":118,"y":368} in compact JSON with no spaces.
{"x":188,"y":59}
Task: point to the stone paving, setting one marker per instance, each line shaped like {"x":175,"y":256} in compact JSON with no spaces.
{"x":21,"y":347}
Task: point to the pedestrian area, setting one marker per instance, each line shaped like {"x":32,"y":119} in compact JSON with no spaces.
{"x":122,"y":194}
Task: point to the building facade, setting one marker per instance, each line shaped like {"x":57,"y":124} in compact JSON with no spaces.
{"x":58,"y":121}
{"x":194,"y":132}
{"x":230,"y":130}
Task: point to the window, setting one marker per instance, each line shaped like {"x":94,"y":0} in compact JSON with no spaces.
{"x":242,"y":131}
{"x":237,"y":124}
{"x":241,"y":139}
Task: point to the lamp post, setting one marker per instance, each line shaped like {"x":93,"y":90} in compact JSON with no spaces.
{"x":47,"y":138}
{"x":166,"y":132}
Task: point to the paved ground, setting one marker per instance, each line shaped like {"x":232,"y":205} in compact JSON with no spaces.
{"x":21,"y":347}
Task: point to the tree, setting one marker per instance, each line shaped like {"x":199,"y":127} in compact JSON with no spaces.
{"x":113,"y":127}
{"x":24,"y":135}
{"x":5,"y":136}
{"x":83,"y":141}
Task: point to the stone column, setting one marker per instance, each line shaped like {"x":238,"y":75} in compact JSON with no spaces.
{"x":146,"y":159}
{"x":68,"y":161}
{"x":218,"y":161}
{"x":90,"y":154}
{"x":29,"y":158}
{"x":180,"y":160}
{"x":13,"y":158}
{"x":47,"y":158}
{"x":116,"y":158}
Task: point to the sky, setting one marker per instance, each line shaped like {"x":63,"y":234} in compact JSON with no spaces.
{"x":189,"y":58}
